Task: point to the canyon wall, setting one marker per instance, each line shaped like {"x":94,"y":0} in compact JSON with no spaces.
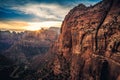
{"x":88,"y":47}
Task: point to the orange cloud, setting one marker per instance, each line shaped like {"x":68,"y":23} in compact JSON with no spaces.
{"x":13,"y":25}
{"x":22,"y":25}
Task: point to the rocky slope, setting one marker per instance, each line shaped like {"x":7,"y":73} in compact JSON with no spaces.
{"x":88,"y":47}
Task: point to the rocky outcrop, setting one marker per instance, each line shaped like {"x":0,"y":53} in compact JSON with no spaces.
{"x":88,"y":47}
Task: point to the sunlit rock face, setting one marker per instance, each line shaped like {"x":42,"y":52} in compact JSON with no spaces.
{"x":88,"y":47}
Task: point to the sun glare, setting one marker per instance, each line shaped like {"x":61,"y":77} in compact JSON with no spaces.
{"x":33,"y":26}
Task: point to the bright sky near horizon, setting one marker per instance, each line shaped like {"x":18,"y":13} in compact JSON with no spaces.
{"x":34,"y":14}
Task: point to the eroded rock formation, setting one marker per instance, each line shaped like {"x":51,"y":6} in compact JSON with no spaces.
{"x":88,"y":47}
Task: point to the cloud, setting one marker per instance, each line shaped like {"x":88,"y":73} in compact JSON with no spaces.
{"x":23,"y":2}
{"x":39,"y":25}
{"x":22,"y":25}
{"x":89,"y":2}
{"x":13,"y":25}
{"x":44,"y":11}
{"x":38,"y":10}
{"x":36,"y":13}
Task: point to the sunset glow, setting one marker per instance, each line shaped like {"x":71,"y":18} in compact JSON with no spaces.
{"x":32,"y":26}
{"x":38,"y":25}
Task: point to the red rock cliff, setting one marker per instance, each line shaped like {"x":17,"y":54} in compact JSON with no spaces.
{"x":88,"y":47}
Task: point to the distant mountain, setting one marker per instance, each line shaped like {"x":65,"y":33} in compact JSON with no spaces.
{"x":7,"y":39}
{"x":18,"y":50}
{"x":21,"y":47}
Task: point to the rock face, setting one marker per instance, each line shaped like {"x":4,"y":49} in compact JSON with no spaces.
{"x":88,"y":47}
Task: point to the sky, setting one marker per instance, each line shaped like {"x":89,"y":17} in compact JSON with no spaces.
{"x":22,"y":15}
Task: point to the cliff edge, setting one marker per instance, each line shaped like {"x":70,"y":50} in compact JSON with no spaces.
{"x":88,"y":47}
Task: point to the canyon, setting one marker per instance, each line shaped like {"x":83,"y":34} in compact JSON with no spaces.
{"x":19,"y":51}
{"x":87,"y":47}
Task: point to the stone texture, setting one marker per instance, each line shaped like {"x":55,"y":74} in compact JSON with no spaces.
{"x":88,"y":47}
